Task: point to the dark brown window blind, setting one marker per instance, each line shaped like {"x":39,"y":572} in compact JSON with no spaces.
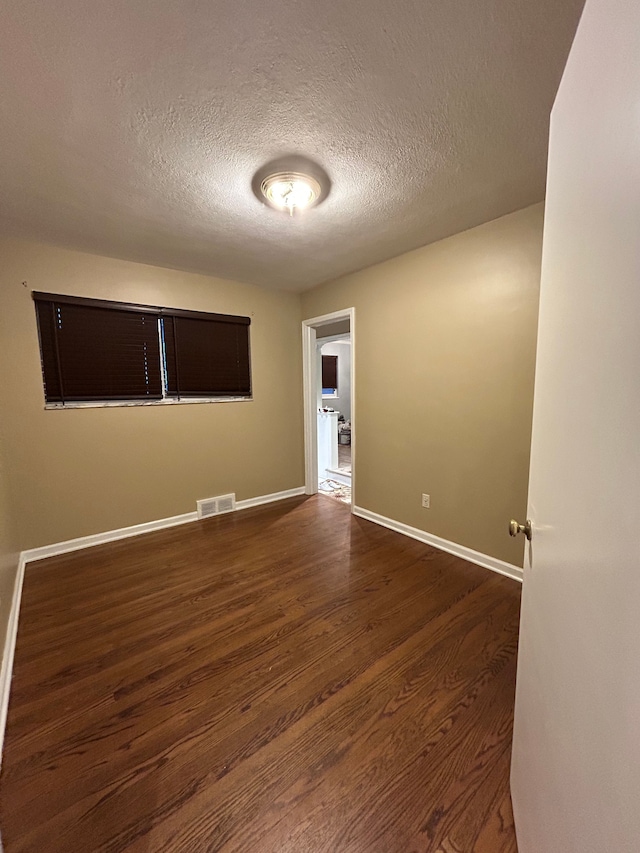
{"x":98,"y":350}
{"x":90,"y":352}
{"x":329,"y":371}
{"x":207,"y":356}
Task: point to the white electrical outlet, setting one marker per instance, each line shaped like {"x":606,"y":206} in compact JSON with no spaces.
{"x":426,"y":501}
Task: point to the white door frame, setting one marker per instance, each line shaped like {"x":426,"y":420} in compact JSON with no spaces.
{"x":310,"y":391}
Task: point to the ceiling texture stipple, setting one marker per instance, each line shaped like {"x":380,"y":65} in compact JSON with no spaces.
{"x":134,"y":129}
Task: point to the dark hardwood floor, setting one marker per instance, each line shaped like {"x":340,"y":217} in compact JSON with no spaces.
{"x":287,"y":679}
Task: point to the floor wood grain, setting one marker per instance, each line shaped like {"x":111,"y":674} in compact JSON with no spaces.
{"x":288,"y":678}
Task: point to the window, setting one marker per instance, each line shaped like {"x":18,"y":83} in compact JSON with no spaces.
{"x":202,"y":353}
{"x":329,"y":375}
{"x":93,"y":350}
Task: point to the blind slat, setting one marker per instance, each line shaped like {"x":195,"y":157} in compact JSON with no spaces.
{"x":96,"y":350}
{"x":134,"y":307}
{"x":206,"y":358}
{"x":102,"y":354}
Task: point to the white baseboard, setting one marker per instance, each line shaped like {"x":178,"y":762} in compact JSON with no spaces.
{"x":268,"y":499}
{"x":147,"y":527}
{"x":9,"y":650}
{"x":108,"y":536}
{"x":468,"y":554}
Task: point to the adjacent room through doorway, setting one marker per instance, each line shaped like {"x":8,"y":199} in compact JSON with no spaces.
{"x":329,"y":405}
{"x":334,"y":414}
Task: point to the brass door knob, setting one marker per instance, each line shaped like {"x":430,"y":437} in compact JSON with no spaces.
{"x":515,"y":528}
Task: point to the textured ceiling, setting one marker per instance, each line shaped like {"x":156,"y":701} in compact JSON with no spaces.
{"x":133,"y":128}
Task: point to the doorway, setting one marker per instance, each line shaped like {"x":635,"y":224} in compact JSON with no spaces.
{"x":329,"y":404}
{"x":333,"y":352}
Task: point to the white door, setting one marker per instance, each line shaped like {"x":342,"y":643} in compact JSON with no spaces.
{"x":576,"y":754}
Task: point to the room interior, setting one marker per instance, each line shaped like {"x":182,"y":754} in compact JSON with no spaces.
{"x":129,"y":175}
{"x":335,"y":427}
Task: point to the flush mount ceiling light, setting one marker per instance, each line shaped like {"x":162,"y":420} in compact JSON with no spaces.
{"x":291,"y":191}
{"x":293,"y":183}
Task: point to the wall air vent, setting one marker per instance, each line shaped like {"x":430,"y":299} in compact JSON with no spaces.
{"x":216,"y":506}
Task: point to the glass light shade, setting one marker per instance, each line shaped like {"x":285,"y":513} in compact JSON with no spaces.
{"x":291,"y":191}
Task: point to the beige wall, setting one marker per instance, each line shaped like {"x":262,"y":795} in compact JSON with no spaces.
{"x":75,"y":472}
{"x":9,"y":550}
{"x":8,"y":553}
{"x":445,"y":355}
{"x":8,"y":546}
{"x":8,"y":540}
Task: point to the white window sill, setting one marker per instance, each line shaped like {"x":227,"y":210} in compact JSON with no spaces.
{"x":169,"y":401}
